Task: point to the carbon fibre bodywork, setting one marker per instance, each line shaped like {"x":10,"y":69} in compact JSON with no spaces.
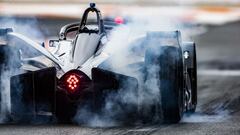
{"x":39,"y":93}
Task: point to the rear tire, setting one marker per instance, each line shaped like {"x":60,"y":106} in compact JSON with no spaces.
{"x":170,"y":80}
{"x":9,"y":63}
{"x":9,"y":58}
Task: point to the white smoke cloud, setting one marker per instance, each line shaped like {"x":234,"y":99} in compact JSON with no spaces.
{"x":11,"y":65}
{"x":28,"y":27}
{"x":122,"y":41}
{"x":5,"y":94}
{"x":221,"y":115}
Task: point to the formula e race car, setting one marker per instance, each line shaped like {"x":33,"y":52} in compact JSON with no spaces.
{"x":161,"y":80}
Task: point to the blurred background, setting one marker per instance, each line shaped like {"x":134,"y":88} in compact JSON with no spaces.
{"x":212,"y":24}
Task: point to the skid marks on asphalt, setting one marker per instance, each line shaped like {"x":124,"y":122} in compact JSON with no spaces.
{"x":216,"y":72}
{"x":139,"y":130}
{"x":218,"y":96}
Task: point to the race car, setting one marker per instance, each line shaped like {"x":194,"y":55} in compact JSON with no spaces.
{"x":78,"y":72}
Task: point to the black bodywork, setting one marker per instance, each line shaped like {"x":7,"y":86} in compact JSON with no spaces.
{"x":39,"y":92}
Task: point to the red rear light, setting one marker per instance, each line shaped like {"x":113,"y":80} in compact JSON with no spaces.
{"x":72,"y":82}
{"x":119,"y":20}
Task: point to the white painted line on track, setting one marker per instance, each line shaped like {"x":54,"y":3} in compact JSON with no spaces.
{"x":216,"y":72}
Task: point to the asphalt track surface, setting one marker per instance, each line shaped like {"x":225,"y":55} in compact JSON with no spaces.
{"x":218,"y":110}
